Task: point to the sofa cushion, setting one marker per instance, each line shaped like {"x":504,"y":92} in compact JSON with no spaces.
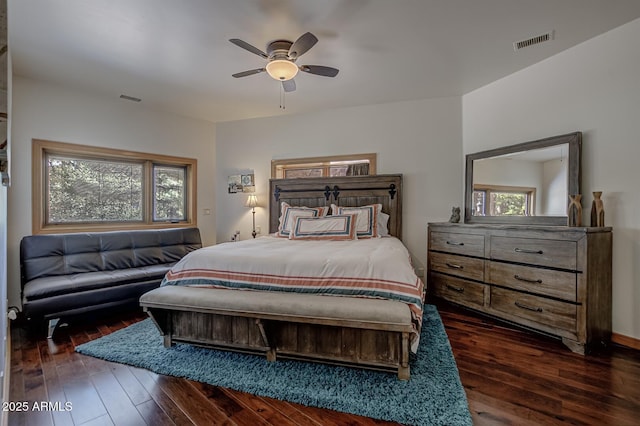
{"x":66,"y":284}
{"x":65,"y":254}
{"x":91,"y":300}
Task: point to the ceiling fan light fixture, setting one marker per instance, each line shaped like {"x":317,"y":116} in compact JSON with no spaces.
{"x":282,"y":69}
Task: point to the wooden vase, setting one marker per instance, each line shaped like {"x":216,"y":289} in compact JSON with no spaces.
{"x":597,"y":210}
{"x":574,"y":211}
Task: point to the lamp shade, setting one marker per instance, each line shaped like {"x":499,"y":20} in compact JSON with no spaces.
{"x":281,"y":69}
{"x":252,"y":201}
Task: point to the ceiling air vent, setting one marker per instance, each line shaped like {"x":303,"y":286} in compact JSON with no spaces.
{"x":130,"y":98}
{"x":533,"y":40}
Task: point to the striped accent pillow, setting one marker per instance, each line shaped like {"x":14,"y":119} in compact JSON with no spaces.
{"x":336,"y":228}
{"x":289,"y":213}
{"x":367,"y":222}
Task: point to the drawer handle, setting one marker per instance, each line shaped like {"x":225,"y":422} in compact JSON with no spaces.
{"x":527,"y":280}
{"x":454,"y":266}
{"x":454,"y":243}
{"x":528,"y":308}
{"x":519,"y":250}
{"x":458,"y":289}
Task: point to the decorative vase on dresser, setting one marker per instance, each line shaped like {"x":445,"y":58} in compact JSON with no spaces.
{"x":597,"y":209}
{"x":574,"y":211}
{"x":551,"y":279}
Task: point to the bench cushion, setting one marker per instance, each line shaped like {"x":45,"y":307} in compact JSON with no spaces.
{"x":366,"y":313}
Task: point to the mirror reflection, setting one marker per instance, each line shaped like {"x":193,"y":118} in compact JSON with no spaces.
{"x":526,"y":183}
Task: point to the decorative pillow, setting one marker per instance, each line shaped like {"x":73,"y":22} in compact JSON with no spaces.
{"x":336,"y":227}
{"x":367,"y":222}
{"x":288,"y":213}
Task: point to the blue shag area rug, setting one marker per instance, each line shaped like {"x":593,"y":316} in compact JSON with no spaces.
{"x":433,"y":395}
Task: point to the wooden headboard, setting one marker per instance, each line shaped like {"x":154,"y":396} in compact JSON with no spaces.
{"x":343,"y":191}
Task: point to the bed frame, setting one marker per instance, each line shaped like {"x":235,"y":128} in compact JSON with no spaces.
{"x":336,"y":336}
{"x":342,"y":191}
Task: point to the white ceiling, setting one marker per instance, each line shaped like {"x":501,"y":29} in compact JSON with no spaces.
{"x":175,"y":54}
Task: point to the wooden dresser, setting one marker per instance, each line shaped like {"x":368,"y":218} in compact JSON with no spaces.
{"x":553,"y":279}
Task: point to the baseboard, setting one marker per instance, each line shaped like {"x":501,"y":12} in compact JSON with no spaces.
{"x":623,"y":340}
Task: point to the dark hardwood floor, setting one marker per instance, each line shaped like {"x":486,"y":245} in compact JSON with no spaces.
{"x":510,"y":376}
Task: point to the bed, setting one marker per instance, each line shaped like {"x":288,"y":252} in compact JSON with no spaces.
{"x":355,"y":301}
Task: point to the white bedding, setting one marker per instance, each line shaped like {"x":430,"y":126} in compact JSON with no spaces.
{"x":375,"y":267}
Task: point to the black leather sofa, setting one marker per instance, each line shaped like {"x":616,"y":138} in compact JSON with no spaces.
{"x":70,"y":274}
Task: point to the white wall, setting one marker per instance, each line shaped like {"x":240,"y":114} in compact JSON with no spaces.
{"x":44,"y":111}
{"x":594,"y":88}
{"x":554,"y":188}
{"x":420,"y":139}
{"x":7,"y":73}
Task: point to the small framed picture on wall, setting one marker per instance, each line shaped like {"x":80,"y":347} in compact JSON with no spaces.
{"x":248,"y":183}
{"x":235,"y":183}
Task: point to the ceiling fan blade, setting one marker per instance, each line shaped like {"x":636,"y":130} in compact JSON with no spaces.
{"x":320,"y":70}
{"x":247,"y":46}
{"x":289,"y":85}
{"x":305,"y":42}
{"x":249,"y":72}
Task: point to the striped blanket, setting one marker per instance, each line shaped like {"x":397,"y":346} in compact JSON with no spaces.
{"x":375,"y":268}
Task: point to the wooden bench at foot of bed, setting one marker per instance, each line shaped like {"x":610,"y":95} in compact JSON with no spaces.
{"x":367,"y":333}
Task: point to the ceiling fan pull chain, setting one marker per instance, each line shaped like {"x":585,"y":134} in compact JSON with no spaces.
{"x":282,"y":100}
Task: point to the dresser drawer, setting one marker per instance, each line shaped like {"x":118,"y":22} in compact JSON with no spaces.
{"x":460,"y":266}
{"x":561,"y":285}
{"x":450,"y":242}
{"x":457,"y":290}
{"x":553,"y":253}
{"x":547,"y":312}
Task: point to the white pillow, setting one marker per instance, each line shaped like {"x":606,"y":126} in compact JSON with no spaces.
{"x":383,"y":224}
{"x":367,"y":222}
{"x":288,"y":214}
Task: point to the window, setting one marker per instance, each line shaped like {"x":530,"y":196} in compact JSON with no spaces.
{"x":79,"y":188}
{"x":491,"y":200}
{"x":338,"y":165}
{"x":169,"y":193}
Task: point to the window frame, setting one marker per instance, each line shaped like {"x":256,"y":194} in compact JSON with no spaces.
{"x":528,"y":192}
{"x":42,"y":148}
{"x":278,"y":167}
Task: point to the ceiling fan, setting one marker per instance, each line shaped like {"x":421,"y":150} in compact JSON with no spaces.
{"x":281,"y":56}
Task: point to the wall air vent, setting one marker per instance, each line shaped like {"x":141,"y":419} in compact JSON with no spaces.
{"x":130,"y":98}
{"x":533,"y":40}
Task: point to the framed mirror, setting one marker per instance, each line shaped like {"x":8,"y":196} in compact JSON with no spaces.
{"x":528,"y":183}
